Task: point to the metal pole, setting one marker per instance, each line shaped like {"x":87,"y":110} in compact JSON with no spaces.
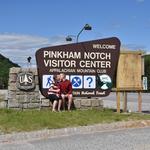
{"x":79,"y":34}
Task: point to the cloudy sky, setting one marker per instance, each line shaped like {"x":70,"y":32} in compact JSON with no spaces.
{"x":27,"y":25}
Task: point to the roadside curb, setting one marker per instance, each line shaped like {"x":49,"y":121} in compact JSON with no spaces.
{"x":51,"y":133}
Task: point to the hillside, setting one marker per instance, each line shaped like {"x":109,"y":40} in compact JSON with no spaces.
{"x":5,"y":64}
{"x":147,"y":69}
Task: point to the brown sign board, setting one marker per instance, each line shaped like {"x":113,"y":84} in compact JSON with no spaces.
{"x":130,"y":71}
{"x":90,"y":66}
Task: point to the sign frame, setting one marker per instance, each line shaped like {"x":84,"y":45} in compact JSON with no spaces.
{"x":96,"y":57}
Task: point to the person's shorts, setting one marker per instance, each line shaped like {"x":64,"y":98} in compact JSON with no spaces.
{"x":65,"y":95}
{"x":53,"y":97}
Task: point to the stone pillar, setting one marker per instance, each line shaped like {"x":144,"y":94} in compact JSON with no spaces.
{"x":3,"y":98}
{"x":20,"y":98}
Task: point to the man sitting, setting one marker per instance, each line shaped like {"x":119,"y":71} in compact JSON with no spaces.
{"x":66,"y":90}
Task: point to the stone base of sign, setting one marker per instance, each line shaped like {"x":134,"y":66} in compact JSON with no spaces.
{"x":87,"y":103}
{"x":79,"y":103}
{"x":3,"y":98}
{"x":19,"y":99}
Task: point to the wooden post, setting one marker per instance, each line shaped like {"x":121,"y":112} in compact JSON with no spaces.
{"x":118,"y":101}
{"x":139,"y":102}
{"x":124,"y":101}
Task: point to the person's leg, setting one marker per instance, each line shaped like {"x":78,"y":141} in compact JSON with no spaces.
{"x":51,"y":101}
{"x":59,"y":104}
{"x":70,"y":99}
{"x":63,"y":101}
{"x":54,"y":105}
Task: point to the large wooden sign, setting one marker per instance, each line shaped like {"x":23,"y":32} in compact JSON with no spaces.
{"x":129,"y":72}
{"x":90,"y":66}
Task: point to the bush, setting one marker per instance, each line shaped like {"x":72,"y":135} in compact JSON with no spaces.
{"x":147,"y":69}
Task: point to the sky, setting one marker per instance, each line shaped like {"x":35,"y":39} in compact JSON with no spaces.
{"x":27,"y":25}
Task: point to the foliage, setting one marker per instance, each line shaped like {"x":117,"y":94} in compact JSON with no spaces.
{"x":147,"y":69}
{"x":5,"y":64}
{"x":29,"y":120}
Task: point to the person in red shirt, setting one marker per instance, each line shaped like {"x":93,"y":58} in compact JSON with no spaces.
{"x":66,"y":91}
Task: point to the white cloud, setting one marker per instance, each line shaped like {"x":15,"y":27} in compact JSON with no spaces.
{"x":15,"y":41}
{"x":18,"y":47}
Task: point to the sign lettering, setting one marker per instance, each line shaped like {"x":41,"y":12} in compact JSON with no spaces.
{"x":90,"y":66}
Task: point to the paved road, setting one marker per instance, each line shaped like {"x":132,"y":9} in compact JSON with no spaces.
{"x":110,"y":101}
{"x":132,"y":97}
{"x":129,"y":139}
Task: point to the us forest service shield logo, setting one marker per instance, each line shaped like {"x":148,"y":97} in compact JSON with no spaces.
{"x":25,"y":81}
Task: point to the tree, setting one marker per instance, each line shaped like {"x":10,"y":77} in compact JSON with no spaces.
{"x":147,"y":69}
{"x":5,"y":65}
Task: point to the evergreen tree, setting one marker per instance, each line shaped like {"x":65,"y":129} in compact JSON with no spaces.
{"x":5,"y":65}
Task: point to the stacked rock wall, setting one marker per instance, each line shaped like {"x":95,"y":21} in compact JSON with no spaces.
{"x":32,"y":99}
{"x":20,"y":98}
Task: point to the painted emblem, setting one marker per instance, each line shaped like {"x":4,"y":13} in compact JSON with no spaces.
{"x":25,"y":81}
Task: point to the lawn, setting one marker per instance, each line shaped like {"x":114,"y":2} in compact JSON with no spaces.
{"x":29,"y":120}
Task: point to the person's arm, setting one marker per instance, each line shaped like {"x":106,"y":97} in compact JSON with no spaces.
{"x":54,"y":90}
{"x":49,"y":90}
{"x":70,"y":88}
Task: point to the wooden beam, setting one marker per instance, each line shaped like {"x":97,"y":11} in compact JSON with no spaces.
{"x":118,"y":101}
{"x":125,"y":101}
{"x":139,"y":102}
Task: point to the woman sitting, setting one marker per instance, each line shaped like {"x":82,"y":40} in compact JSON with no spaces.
{"x":54,"y":93}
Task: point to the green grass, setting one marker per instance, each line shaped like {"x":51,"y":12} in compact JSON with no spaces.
{"x":29,"y":120}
